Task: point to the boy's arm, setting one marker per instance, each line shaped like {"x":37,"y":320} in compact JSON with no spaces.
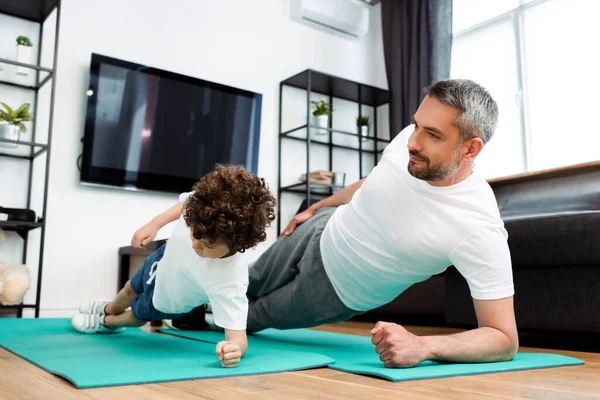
{"x":233,"y":348}
{"x":147,"y":233}
{"x":172,"y":214}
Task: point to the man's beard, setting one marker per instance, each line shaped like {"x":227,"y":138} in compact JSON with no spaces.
{"x":434,"y":173}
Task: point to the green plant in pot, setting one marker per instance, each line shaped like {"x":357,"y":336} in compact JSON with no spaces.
{"x":363,"y":122}
{"x":24,"y":53}
{"x":321,"y":112}
{"x":11,"y":123}
{"x":24,"y":41}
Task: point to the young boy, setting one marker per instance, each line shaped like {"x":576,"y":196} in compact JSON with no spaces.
{"x":202,"y":262}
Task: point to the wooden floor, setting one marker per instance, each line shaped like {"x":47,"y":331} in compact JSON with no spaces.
{"x":21,"y":380}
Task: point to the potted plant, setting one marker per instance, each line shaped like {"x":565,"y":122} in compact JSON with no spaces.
{"x":11,"y":123}
{"x":362,"y":122}
{"x":321,"y":113}
{"x":24,"y":50}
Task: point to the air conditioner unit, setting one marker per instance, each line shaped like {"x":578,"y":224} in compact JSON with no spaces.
{"x":347,"y":18}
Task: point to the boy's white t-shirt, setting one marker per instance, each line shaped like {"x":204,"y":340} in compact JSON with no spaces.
{"x":184,"y":280}
{"x":399,"y":230}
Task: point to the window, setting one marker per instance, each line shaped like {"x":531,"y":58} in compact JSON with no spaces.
{"x":468,"y":13}
{"x":538,"y":59}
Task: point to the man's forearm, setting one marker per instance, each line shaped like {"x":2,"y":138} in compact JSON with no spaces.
{"x":477,"y":345}
{"x":342,"y":197}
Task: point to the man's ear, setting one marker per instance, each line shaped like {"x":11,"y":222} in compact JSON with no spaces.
{"x":473,"y":147}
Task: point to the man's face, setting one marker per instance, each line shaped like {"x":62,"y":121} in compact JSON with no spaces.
{"x":435,"y":146}
{"x":206,"y":250}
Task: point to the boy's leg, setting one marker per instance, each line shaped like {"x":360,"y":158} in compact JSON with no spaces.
{"x":139,"y":296}
{"x":102,"y":316}
{"x":141,"y":281}
{"x":121,"y":302}
{"x":278,"y":265}
{"x":123,"y":319}
{"x":97,"y":323}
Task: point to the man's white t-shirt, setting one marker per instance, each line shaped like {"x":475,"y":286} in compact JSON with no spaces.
{"x":184,"y":280}
{"x":399,"y":230}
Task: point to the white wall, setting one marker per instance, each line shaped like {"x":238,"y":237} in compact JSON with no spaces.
{"x":248,"y":44}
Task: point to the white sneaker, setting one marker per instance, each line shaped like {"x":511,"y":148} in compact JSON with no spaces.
{"x":91,"y":323}
{"x":95,"y":307}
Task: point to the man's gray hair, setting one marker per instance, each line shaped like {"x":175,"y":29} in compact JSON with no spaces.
{"x":478,"y":111}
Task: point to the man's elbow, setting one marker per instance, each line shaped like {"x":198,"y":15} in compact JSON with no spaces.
{"x":511,"y":353}
{"x":507,"y":346}
{"x":512,"y":348}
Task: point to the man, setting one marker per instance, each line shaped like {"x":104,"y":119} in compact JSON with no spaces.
{"x":422,"y":209}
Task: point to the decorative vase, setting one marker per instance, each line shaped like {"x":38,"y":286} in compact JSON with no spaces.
{"x":10,"y":132}
{"x":364,"y":132}
{"x":23,"y":56}
{"x":320,"y":121}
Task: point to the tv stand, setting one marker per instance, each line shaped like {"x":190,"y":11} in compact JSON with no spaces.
{"x":130,"y":259}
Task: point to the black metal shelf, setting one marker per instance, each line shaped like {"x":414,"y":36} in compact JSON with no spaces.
{"x":34,"y":78}
{"x":18,"y":307}
{"x":315,"y":188}
{"x":30,"y":150}
{"x":335,"y":146}
{"x":31,"y":10}
{"x":2,"y":306}
{"x":49,"y":73}
{"x":334,"y":86}
{"x":369,"y":145}
{"x":356,"y":135}
{"x":19,"y":225}
{"x":22,"y":228}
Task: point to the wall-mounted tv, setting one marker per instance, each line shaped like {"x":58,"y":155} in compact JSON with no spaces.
{"x":156,"y":130}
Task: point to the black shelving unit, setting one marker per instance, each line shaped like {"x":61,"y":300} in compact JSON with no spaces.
{"x":332,"y":87}
{"x":36,"y":11}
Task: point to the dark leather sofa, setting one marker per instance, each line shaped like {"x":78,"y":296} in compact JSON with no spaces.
{"x":553,"y":221}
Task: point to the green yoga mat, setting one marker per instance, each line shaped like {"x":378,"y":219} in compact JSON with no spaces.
{"x":357,"y":354}
{"x":134,"y":356}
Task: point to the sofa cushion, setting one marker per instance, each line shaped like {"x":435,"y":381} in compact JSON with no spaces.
{"x":578,"y":192}
{"x":563,"y":298}
{"x":552,"y":217}
{"x":555,"y":240}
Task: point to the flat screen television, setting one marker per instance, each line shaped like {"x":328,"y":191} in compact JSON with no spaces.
{"x":151,"y":129}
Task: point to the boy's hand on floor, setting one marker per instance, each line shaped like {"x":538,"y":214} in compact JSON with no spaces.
{"x":229,"y":353}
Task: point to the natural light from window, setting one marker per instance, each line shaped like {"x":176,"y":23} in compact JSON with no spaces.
{"x":548,"y":97}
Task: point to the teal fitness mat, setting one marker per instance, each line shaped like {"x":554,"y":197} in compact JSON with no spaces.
{"x":357,"y":354}
{"x":134,"y":356}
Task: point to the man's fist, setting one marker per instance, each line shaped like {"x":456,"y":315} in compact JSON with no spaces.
{"x":229,"y":353}
{"x":397,"y":347}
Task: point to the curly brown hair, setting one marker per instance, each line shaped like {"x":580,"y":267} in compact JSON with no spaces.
{"x":232,"y":206}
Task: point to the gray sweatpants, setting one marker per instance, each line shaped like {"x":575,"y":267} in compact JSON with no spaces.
{"x":288,"y":286}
